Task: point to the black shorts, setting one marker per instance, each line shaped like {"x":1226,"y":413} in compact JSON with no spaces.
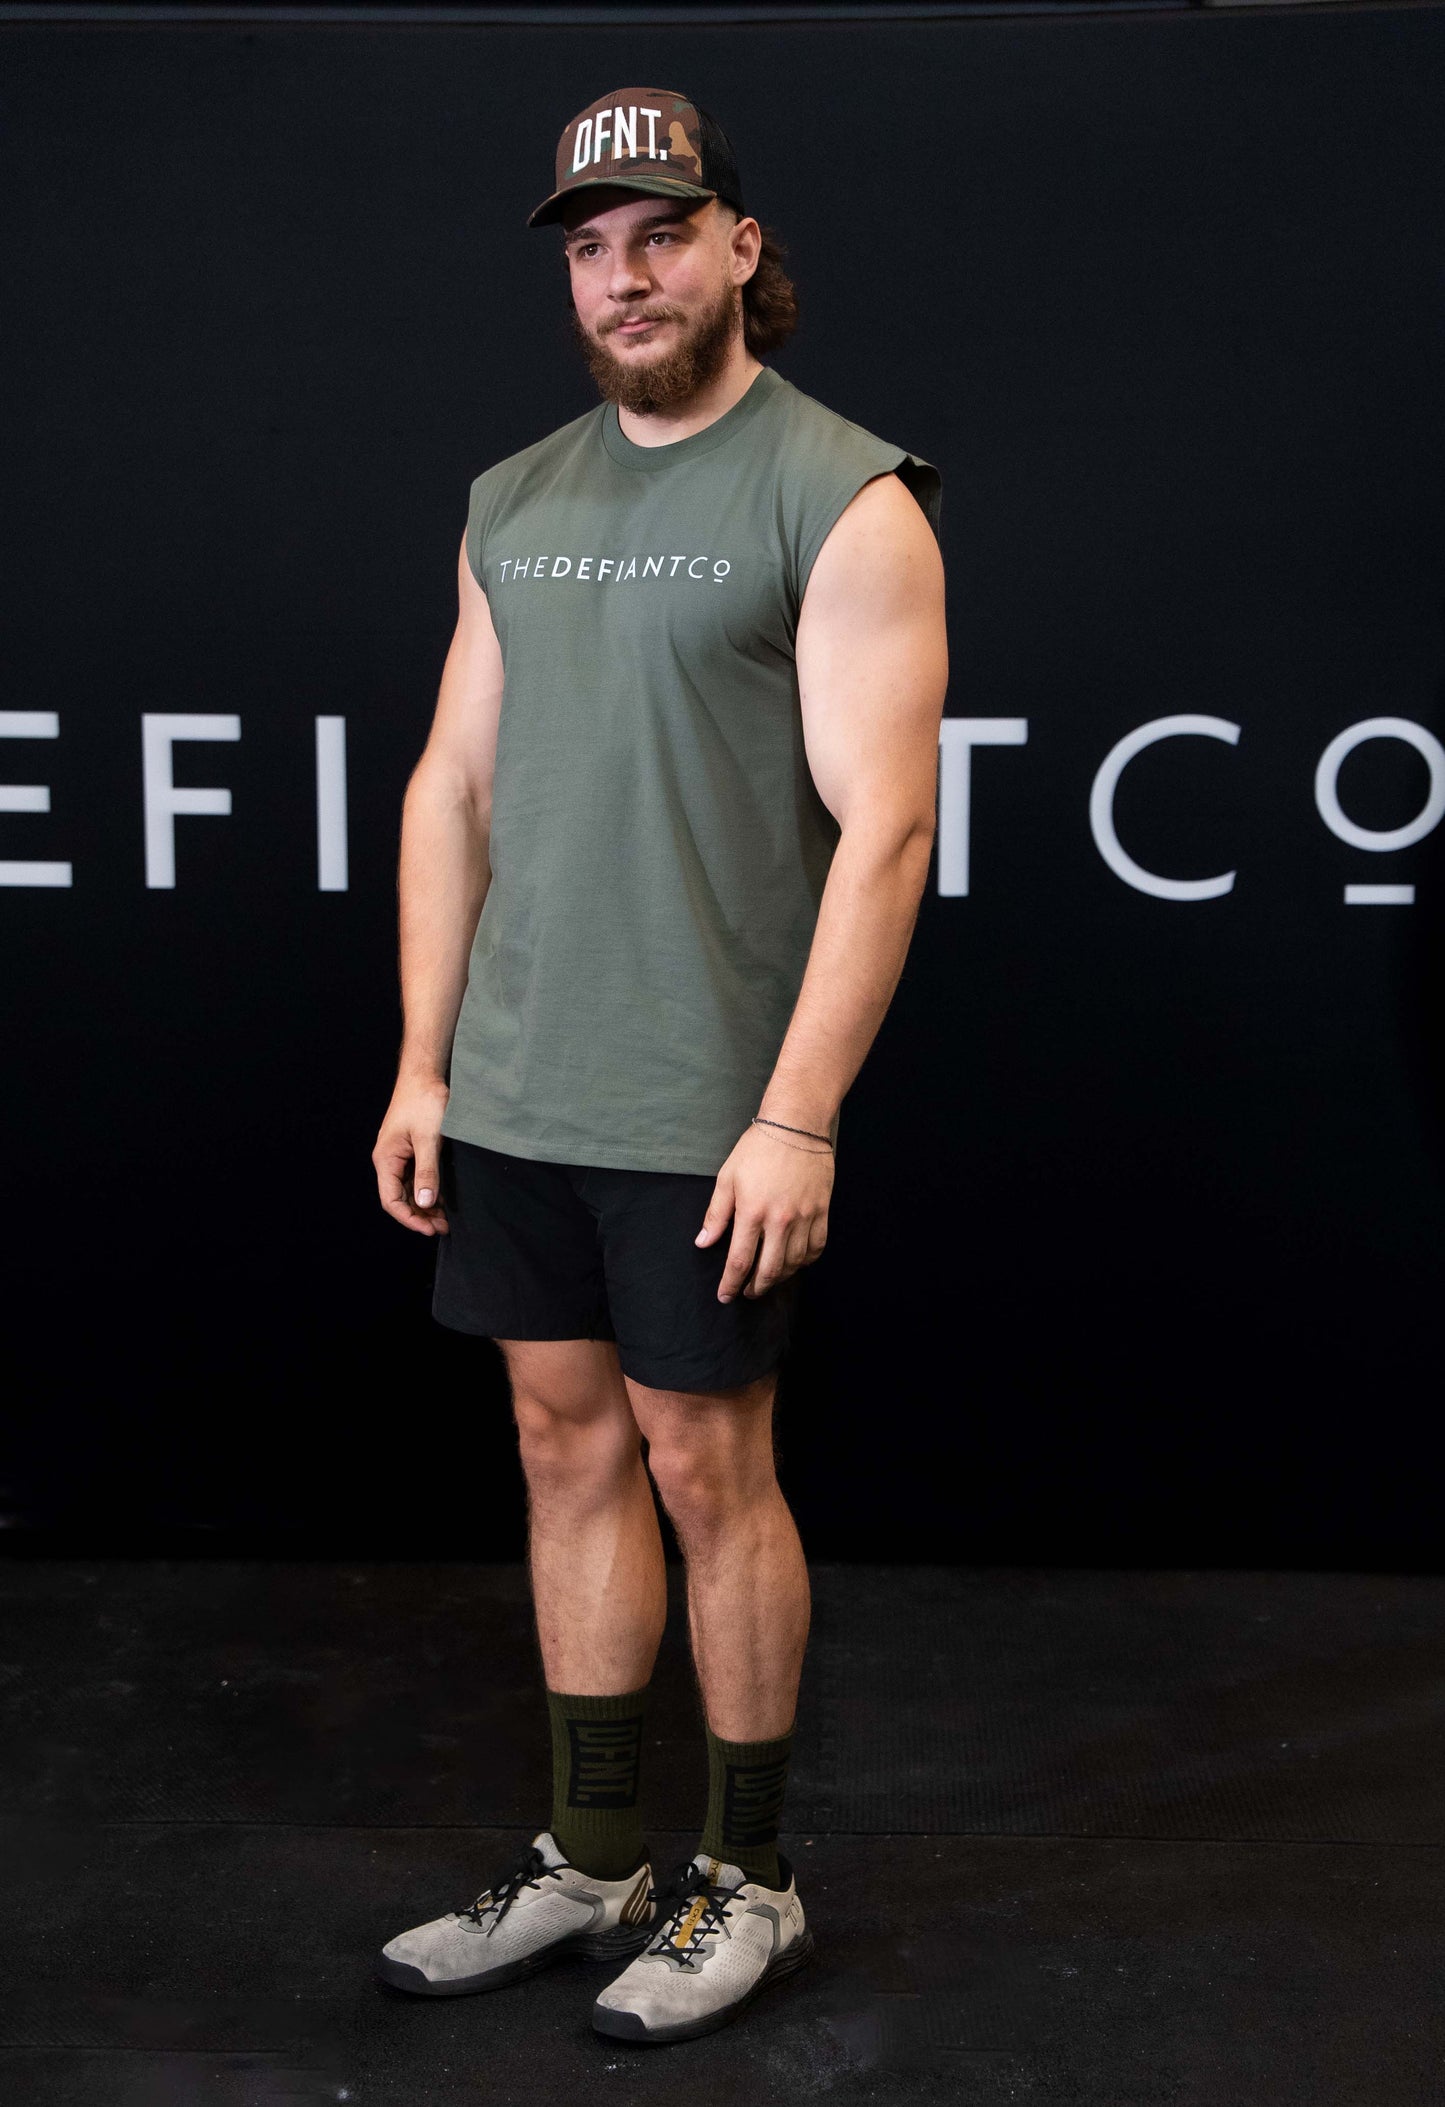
{"x":576,"y":1251}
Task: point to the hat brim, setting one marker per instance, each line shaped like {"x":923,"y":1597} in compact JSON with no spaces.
{"x":550,"y":208}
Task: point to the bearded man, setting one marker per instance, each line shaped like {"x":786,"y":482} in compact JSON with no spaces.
{"x":660,"y":865}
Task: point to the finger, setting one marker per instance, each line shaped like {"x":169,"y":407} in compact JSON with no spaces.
{"x":393,"y":1189}
{"x":411,"y":1216}
{"x":719,"y":1213}
{"x":772,"y":1261}
{"x":740,"y":1258}
{"x":425,"y":1179}
{"x":817,"y":1238}
{"x":428,"y":1220}
{"x":415,"y":1216}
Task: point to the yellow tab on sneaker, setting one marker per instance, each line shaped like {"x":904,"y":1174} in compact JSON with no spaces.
{"x":685,"y":1929}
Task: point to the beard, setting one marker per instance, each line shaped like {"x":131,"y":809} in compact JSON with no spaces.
{"x":662,"y":383}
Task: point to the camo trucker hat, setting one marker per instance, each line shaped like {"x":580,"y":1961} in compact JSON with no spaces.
{"x":650,"y":139}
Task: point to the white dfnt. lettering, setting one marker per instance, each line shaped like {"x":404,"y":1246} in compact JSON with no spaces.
{"x":957,"y":737}
{"x":652,"y":117}
{"x":601,"y":129}
{"x":582,"y":145}
{"x":163,"y":801}
{"x":30,"y":797}
{"x":1379,"y":896}
{"x":1101,"y":807}
{"x":1327,"y":778}
{"x":331,"y":870}
{"x":624,"y":129}
{"x":1378,"y":840}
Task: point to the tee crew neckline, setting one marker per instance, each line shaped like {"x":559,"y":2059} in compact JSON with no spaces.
{"x":629,"y":454}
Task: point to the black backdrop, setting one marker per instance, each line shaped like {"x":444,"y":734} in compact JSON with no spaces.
{"x":1137,"y":1233}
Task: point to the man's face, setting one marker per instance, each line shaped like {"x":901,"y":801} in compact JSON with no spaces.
{"x":656,"y":292}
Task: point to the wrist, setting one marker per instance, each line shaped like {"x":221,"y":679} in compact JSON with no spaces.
{"x":817,"y":1141}
{"x":801,"y":1105}
{"x":798,"y":1111}
{"x":419,"y":1074}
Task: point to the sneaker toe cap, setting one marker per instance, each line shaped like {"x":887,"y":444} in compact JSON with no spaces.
{"x":620,"y":2025}
{"x":408,"y":1946}
{"x":636,"y":2004}
{"x":430,"y":1951}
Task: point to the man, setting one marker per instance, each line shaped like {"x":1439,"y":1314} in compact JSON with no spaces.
{"x":660,"y":864}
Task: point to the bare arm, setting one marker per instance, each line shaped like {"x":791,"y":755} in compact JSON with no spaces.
{"x":443,"y":873}
{"x":872,"y":674}
{"x":872,"y":656}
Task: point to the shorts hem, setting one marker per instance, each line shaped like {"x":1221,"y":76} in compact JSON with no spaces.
{"x":479,"y":1330}
{"x":661,"y":1379}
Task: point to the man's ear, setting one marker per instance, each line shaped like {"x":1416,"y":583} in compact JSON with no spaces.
{"x":755,"y":238}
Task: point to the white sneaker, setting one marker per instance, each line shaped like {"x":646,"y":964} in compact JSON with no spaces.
{"x":718,"y":1939}
{"x":543,"y":1908}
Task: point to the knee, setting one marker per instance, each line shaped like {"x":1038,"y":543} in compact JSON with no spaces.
{"x":563,"y":1449}
{"x":704,"y":1488}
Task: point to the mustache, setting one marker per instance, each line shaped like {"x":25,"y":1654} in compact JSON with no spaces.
{"x":645,"y":314}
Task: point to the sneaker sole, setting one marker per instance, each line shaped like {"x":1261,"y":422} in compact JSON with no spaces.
{"x":630,"y":2026}
{"x":618,"y":1944}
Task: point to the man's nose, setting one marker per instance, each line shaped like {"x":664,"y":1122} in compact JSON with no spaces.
{"x":629,"y":273}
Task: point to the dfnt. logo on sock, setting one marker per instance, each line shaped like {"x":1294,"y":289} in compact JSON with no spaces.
{"x":752,"y":1802}
{"x":603,"y":1770}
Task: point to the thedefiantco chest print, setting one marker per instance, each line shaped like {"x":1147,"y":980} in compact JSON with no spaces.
{"x":611,"y":570}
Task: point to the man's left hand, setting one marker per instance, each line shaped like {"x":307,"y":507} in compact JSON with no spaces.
{"x":776,"y":1189}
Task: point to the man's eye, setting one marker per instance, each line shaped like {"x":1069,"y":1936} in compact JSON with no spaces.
{"x":661,"y":236}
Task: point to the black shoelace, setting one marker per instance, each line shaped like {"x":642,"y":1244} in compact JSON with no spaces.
{"x":676,"y":1898}
{"x":529,"y":1871}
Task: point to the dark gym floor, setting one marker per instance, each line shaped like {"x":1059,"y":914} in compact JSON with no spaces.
{"x":1084,"y":1836}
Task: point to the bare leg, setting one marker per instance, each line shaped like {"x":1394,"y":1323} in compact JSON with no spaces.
{"x":748,"y":1599}
{"x":599,"y":1579}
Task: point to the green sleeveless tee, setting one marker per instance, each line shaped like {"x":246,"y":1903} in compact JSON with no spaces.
{"x":658,"y":848}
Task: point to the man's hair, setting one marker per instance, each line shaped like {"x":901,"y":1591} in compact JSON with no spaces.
{"x":770,"y":299}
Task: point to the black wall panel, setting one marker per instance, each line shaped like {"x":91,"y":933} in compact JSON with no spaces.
{"x":1137,"y":1237}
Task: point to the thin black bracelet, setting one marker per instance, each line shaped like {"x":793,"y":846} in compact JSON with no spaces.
{"x":758,"y":1120}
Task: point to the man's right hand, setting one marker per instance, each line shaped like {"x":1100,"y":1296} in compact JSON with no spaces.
{"x":408,"y":1155}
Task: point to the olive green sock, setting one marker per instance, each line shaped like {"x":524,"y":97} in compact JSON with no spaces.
{"x":746,"y":1781}
{"x":596,"y":1757}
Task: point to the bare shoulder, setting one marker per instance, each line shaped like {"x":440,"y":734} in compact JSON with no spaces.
{"x":461,"y":746}
{"x":881,"y":543}
{"x":886,"y":504}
